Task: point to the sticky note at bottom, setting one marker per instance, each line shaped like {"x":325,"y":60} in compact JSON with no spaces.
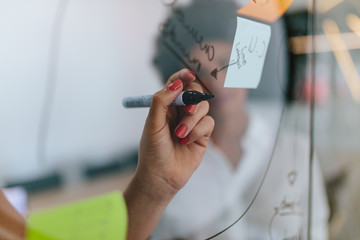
{"x":103,"y":217}
{"x":248,"y":54}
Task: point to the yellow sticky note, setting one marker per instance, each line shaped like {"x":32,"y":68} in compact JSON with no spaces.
{"x":103,"y":217}
{"x":265,"y":10}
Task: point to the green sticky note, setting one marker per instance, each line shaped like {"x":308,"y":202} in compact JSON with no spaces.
{"x":103,"y":217}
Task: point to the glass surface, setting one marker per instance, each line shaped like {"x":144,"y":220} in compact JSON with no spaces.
{"x":65,"y":67}
{"x":254,"y":179}
{"x":337,"y":132}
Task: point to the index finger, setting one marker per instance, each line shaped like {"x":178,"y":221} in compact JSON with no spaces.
{"x":185,"y":75}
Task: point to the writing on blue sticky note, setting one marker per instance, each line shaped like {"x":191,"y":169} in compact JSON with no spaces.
{"x":248,"y":54}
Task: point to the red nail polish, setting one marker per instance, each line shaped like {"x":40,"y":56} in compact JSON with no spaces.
{"x":180,"y":132}
{"x":192,"y":73}
{"x":175,"y":85}
{"x":184,"y":140}
{"x":190,"y":108}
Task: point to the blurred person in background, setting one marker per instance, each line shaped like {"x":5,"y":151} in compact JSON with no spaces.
{"x":201,"y":33}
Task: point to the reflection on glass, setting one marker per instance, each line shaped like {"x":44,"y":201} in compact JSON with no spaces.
{"x":256,"y":170}
{"x":337,"y":132}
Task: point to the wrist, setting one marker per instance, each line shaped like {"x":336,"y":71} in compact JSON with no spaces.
{"x":152,"y":187}
{"x":146,"y":202}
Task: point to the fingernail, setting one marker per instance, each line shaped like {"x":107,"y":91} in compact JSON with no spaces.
{"x":192,"y":73}
{"x":180,"y":131}
{"x":175,"y":85}
{"x":184,"y":140}
{"x":190,"y":108}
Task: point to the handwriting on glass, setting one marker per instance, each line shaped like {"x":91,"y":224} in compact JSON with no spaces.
{"x":170,"y":31}
{"x":287,"y":220}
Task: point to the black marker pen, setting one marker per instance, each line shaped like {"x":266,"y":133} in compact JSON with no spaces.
{"x":183,"y":99}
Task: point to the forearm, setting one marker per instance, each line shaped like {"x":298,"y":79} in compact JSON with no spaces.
{"x":12,"y":224}
{"x":146,"y":203}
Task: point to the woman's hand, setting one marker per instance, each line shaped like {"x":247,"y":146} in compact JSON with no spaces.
{"x":174,"y":140}
{"x":173,"y":143}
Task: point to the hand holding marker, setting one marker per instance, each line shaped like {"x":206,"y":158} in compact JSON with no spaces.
{"x":171,"y":148}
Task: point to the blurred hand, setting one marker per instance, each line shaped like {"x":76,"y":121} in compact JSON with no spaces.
{"x":12,"y":224}
{"x":173,"y":143}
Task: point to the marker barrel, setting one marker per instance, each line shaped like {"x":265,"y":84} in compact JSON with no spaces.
{"x":140,"y":101}
{"x":145,"y":101}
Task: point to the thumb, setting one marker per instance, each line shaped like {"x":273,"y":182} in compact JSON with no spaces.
{"x":160,"y":103}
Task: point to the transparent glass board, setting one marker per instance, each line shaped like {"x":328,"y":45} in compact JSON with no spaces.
{"x":285,"y":76}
